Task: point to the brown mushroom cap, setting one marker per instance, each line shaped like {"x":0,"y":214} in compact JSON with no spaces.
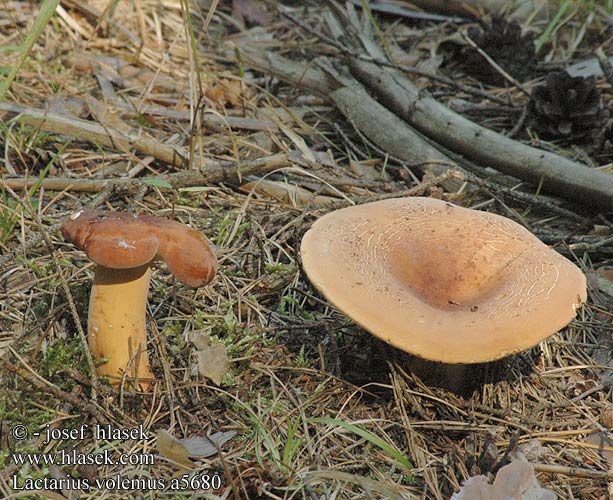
{"x":120,"y":240}
{"x":443,"y":282}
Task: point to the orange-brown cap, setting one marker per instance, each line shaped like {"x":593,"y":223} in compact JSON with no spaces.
{"x":443,"y":282}
{"x":120,"y":240}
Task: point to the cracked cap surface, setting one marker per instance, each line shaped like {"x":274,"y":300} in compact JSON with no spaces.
{"x":443,"y":282}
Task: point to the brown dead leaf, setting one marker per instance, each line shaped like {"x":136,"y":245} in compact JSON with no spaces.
{"x":213,"y":362}
{"x":173,"y":449}
{"x":199,"y":338}
{"x":606,"y":417}
{"x":227,"y":92}
{"x":603,"y":445}
{"x":606,"y":273}
{"x":212,"y":359}
{"x":601,"y":279}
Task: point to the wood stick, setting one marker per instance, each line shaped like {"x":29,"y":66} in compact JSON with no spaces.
{"x":95,"y":133}
{"x":44,"y":385}
{"x":563,"y":177}
{"x":351,"y":99}
{"x":555,"y":173}
{"x":226,"y":171}
{"x":573,"y":471}
{"x":558,"y":175}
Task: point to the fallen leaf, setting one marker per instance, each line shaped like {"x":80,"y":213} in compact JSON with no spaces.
{"x":299,"y":143}
{"x":227,"y":92}
{"x":179,"y":451}
{"x":213,"y":362}
{"x":200,"y":338}
{"x":206,"y":446}
{"x":603,"y":445}
{"x":586,"y":68}
{"x":212,"y":359}
{"x":602,"y":280}
{"x":606,"y":418}
{"x":532,"y":450}
{"x":516,"y":481}
{"x":173,"y":449}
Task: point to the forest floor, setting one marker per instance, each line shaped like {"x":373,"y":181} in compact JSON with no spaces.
{"x":179,"y":109}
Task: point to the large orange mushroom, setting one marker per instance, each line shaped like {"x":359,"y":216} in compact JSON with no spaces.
{"x":445,"y":283}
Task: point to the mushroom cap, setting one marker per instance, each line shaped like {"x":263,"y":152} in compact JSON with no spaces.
{"x":443,"y":282}
{"x":120,"y":240}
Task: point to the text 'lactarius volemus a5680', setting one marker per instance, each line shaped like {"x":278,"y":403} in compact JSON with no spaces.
{"x":445,"y":283}
{"x":124,"y":246}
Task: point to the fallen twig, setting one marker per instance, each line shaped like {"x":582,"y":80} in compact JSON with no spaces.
{"x":42,"y":384}
{"x":555,"y":173}
{"x":223,"y":171}
{"x":590,"y":247}
{"x":373,"y":119}
{"x":95,"y":133}
{"x":573,"y":471}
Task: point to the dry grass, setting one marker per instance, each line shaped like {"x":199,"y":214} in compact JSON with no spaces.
{"x":321,"y":409}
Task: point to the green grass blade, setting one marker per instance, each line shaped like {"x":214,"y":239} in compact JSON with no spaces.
{"x":292,"y":444}
{"x":370,"y":437}
{"x":44,"y":14}
{"x":544,"y":38}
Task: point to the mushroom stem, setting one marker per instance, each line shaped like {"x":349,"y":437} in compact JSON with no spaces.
{"x":116,"y":324}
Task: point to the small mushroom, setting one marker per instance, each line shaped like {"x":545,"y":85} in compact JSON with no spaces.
{"x":445,"y":283}
{"x":124,"y":246}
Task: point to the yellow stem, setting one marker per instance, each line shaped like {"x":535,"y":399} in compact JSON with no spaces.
{"x":116,"y":325}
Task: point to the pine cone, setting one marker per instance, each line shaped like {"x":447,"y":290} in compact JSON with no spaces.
{"x":567,"y":107}
{"x":504,"y":43}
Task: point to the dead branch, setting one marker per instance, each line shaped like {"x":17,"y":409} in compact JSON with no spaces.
{"x":573,"y":471}
{"x":97,"y":134}
{"x":557,"y":174}
{"x":376,"y":122}
{"x":87,"y":406}
{"x":224,"y":171}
